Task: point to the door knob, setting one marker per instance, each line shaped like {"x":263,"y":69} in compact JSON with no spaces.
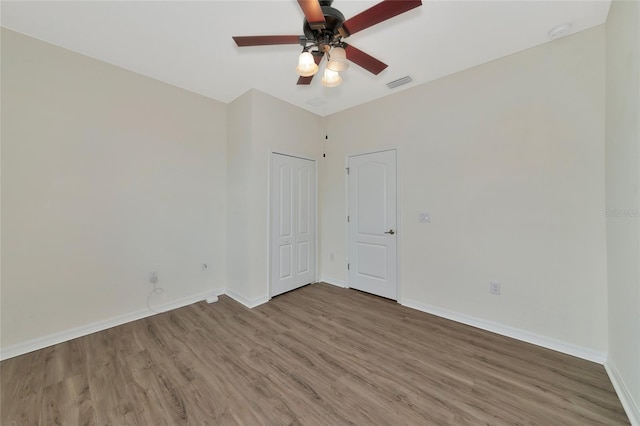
{"x":390,"y":231}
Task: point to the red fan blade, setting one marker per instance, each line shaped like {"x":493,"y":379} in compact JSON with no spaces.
{"x":313,"y":12}
{"x":266,"y":40}
{"x":317,"y":56}
{"x":365,"y":60}
{"x":380,"y":12}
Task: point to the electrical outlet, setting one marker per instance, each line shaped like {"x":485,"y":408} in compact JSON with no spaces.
{"x":204,"y":267}
{"x":331,"y":256}
{"x":153,"y":277}
{"x":494,"y":288}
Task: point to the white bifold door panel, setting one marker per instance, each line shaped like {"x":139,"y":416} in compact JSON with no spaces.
{"x":372,"y":223}
{"x":293,"y":223}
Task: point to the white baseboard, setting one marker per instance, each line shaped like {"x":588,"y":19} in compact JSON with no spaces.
{"x":249,"y":303}
{"x":525,"y":336}
{"x":334,"y":281}
{"x":629,"y":404}
{"x":63,"y":336}
{"x":209,"y":296}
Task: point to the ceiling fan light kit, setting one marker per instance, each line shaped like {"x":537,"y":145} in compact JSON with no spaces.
{"x":306,"y":65}
{"x":338,"y":59}
{"x":331,"y":78}
{"x":324,"y":29}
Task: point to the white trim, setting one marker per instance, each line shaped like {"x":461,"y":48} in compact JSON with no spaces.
{"x":249,"y":303}
{"x":212,"y":299}
{"x":269,"y":227}
{"x":316,"y":219}
{"x":630,"y":406}
{"x":302,"y":157}
{"x":334,"y":281}
{"x":73,"y":333}
{"x":515,"y":333}
{"x":399,"y":227}
{"x":372,"y":150}
{"x":347,"y":281}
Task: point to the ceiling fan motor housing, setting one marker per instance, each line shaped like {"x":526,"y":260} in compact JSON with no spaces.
{"x":330,"y":34}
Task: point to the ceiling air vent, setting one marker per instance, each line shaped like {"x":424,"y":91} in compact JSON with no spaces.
{"x":399,"y":82}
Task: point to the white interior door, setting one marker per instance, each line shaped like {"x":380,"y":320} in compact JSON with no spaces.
{"x":372,"y":223}
{"x":293,"y":223}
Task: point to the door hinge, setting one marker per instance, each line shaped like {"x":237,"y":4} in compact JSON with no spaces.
{"x":347,"y":170}
{"x":347,"y":219}
{"x":348,"y":265}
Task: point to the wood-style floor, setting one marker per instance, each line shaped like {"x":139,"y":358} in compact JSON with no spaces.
{"x":320,"y":355}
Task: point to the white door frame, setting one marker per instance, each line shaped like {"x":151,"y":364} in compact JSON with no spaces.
{"x":398,"y":210}
{"x":269,"y":234}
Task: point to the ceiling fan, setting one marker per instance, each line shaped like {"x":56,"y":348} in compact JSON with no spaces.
{"x":324,"y":29}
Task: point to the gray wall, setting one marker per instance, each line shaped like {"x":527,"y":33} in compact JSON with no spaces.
{"x":259,"y":125}
{"x":508,"y":158}
{"x":623,"y":198}
{"x":106,"y":176}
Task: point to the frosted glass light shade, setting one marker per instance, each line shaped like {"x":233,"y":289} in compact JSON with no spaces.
{"x":331,"y":78}
{"x":338,"y":61}
{"x":306,"y":65}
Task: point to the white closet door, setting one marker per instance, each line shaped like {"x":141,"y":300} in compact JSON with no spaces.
{"x":293,"y":223}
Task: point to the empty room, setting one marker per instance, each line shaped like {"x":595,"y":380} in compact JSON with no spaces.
{"x":394,"y":212}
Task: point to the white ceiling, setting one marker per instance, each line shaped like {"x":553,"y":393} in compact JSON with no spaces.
{"x":188,"y":43}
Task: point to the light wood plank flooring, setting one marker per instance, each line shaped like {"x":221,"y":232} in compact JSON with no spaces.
{"x":319,"y":355}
